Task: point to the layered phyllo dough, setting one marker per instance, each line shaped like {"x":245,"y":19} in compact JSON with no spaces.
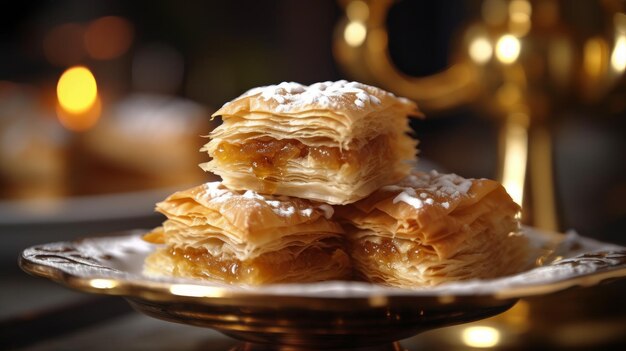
{"x":317,"y":184}
{"x":334,"y":142}
{"x":218,"y":234}
{"x":432,"y":228}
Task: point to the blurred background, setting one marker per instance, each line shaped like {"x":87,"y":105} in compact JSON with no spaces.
{"x":102,"y":105}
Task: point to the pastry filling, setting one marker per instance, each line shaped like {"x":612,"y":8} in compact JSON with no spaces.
{"x":269,"y":157}
{"x":270,"y":267}
{"x":386,"y":251}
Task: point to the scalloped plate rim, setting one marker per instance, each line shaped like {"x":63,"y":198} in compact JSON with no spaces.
{"x":161,"y":288}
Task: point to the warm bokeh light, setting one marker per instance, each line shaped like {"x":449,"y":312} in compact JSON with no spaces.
{"x":195,"y":290}
{"x":480,"y":336}
{"x":508,"y":48}
{"x":108,"y":37}
{"x":517,"y":7}
{"x":519,"y":24}
{"x":79,"y":105}
{"x":77,"y":90}
{"x":103,"y":283}
{"x":355,"y":33}
{"x":595,"y":53}
{"x":357,"y":11}
{"x":519,"y":17}
{"x":515,"y":156}
{"x":63,"y":45}
{"x":480,"y":50}
{"x":618,"y":57}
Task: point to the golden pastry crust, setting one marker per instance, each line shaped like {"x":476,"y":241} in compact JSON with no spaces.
{"x":431,"y":228}
{"x":334,"y":142}
{"x":213,"y":232}
{"x":341,"y":111}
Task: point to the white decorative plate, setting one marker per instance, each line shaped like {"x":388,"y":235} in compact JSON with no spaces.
{"x":319,"y":314}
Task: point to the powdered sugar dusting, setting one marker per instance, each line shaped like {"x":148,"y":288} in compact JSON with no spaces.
{"x":362,"y":96}
{"x":286,"y":211}
{"x":407,"y":198}
{"x":306,"y":212}
{"x":440,"y":185}
{"x":273,"y":203}
{"x":215,"y":192}
{"x":327,"y":94}
{"x":249,"y":194}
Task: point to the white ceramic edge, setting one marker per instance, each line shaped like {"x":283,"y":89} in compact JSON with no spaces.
{"x":541,"y":280}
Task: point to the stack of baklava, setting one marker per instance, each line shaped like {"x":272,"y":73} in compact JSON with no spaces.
{"x":317,"y":184}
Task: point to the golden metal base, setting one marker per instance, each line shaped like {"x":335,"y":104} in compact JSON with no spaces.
{"x":259,"y":347}
{"x":284,"y":323}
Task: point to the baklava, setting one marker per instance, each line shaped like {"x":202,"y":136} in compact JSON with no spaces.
{"x":432,"y":228}
{"x":334,"y":142}
{"x":217,"y":234}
